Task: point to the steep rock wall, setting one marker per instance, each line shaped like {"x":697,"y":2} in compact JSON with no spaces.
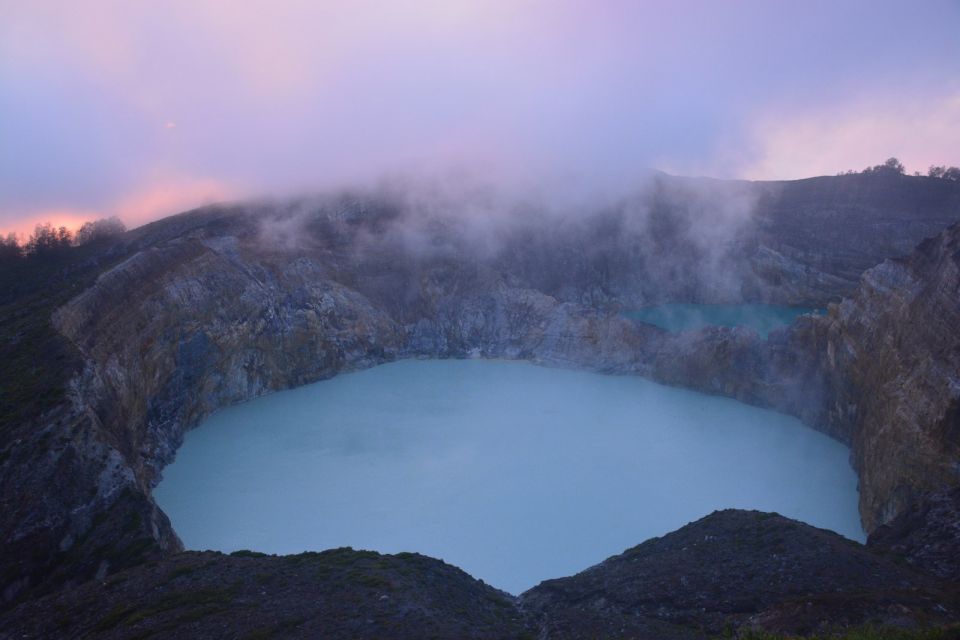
{"x":897,"y":344}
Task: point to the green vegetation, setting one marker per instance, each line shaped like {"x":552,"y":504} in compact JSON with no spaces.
{"x":201,"y":603}
{"x":128,"y":555}
{"x":38,"y":361}
{"x":371,"y":581}
{"x":114,"y":617}
{"x":246,"y":553}
{"x":944,"y":172}
{"x":183,"y":570}
{"x":893,"y":166}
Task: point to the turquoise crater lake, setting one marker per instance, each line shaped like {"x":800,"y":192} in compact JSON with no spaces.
{"x":515,"y":473}
{"x":762,"y":318}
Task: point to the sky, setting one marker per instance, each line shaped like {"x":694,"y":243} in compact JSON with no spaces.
{"x":143,"y":109}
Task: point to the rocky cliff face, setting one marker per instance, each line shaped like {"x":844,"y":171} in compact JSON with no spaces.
{"x":833,"y":229}
{"x":895,"y":344}
{"x":735,"y":570}
{"x":879,"y":371}
{"x":221,"y":305}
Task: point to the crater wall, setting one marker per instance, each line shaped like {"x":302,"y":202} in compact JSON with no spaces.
{"x":218,"y":306}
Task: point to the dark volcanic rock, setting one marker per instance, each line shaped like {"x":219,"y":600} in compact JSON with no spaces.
{"x":927,"y":535}
{"x":730,"y":569}
{"x":728,"y":572}
{"x":826,"y":231}
{"x":339,"y":593}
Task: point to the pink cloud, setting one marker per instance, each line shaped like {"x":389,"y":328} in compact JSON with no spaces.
{"x":153,"y":200}
{"x":167,"y":197}
{"x":101,"y":102}
{"x":69,"y":218}
{"x":855,"y":136}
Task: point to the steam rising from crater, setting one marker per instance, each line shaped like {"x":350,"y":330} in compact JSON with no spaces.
{"x":145,"y":109}
{"x":687,"y":236}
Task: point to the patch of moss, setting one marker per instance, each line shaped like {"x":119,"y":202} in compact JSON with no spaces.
{"x":184,"y":570}
{"x":369,"y":580}
{"x":115,"y":616}
{"x":246,"y":553}
{"x":132,"y":554}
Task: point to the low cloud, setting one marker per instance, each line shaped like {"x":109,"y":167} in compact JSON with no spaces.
{"x":102,"y":102}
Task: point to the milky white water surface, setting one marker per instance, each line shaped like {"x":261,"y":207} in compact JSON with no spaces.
{"x":513,"y":472}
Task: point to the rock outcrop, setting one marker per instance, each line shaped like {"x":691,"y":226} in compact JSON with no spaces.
{"x":896,"y":346}
{"x":927,"y":535}
{"x":730,"y":572}
{"x":340,"y":593}
{"x":735,"y":570}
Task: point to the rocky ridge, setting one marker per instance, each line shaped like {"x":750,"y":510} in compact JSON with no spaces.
{"x":339,"y":593}
{"x":736,"y":570}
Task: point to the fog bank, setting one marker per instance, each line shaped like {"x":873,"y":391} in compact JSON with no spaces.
{"x":143,"y":110}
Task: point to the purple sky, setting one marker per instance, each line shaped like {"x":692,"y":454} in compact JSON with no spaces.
{"x":146,"y":108}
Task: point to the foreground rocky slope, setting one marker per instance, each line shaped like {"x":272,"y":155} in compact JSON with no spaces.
{"x":221,"y":305}
{"x":730,"y":571}
{"x":738,"y":570}
{"x":339,"y":593}
{"x":927,"y":535}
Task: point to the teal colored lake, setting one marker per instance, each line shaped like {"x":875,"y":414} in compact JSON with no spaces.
{"x":515,"y":473}
{"x":762,"y":318}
